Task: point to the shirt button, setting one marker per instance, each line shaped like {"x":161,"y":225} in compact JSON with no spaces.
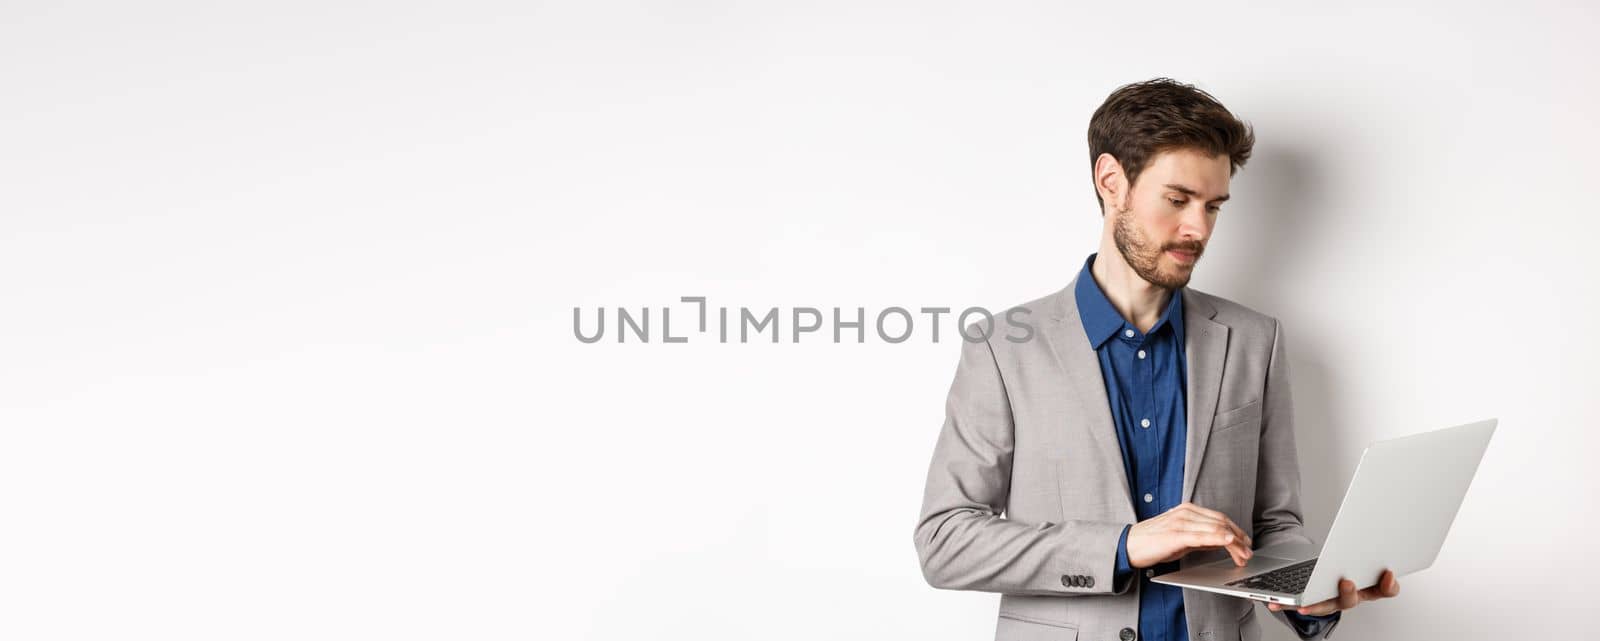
{"x":1144,"y":423}
{"x":1141,"y":353}
{"x":1148,"y":498}
{"x":1149,"y":573}
{"x":1128,"y":333}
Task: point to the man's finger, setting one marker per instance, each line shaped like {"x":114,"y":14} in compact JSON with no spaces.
{"x":1223,"y":522}
{"x":1321,"y":607}
{"x":1198,"y":539}
{"x":1205,"y":512}
{"x":1213,"y":515}
{"x":1388,"y":586}
{"x":1240,"y":552}
{"x":1348,"y":597}
{"x":1210,"y":541}
{"x":1210,"y":527}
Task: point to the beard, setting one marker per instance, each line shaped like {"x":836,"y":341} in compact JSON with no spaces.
{"x":1146,"y":258}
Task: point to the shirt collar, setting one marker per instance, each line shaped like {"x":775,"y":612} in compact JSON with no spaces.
{"x":1101,"y":321}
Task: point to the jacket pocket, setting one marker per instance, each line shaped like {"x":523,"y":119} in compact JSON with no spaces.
{"x":1014,"y":627}
{"x":1237,"y":416}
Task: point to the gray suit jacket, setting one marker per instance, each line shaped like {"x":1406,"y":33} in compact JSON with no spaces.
{"x":1026,"y":494}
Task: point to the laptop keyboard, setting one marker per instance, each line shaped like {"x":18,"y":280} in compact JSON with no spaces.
{"x":1289,"y":579}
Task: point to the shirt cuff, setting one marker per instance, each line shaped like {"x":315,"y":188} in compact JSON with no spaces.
{"x":1308,"y":626}
{"x":1123,"y":567}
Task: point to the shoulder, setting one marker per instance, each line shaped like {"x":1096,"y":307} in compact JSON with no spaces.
{"x":1019,"y":318}
{"x":1241,"y":319}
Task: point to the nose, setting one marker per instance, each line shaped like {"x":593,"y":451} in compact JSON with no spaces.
{"x":1194,"y":226}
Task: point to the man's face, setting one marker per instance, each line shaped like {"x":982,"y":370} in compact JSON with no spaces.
{"x":1165,"y":220}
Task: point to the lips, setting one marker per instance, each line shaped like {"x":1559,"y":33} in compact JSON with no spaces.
{"x":1184,"y":257}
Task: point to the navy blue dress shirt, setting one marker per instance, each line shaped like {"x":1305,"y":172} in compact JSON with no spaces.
{"x":1145,"y":379}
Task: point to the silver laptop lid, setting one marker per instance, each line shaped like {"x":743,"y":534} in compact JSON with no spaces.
{"x":1399,"y":506}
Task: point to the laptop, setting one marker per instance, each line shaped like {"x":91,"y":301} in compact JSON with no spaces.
{"x":1395,"y":514}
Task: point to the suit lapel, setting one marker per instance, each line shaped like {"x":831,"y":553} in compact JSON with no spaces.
{"x":1081,"y":365}
{"x":1205,"y":350}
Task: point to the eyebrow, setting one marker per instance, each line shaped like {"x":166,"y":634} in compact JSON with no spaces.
{"x":1190,"y":192}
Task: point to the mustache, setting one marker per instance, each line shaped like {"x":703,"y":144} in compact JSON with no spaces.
{"x":1188,"y":248}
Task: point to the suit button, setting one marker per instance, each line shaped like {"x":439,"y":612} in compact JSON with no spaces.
{"x":1126,"y":634}
{"x":1088,"y":581}
{"x":1066,"y":580}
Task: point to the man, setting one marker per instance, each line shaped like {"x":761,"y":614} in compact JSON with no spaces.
{"x":1146,"y":426}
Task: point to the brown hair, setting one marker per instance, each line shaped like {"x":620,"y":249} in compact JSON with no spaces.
{"x":1140,"y":120}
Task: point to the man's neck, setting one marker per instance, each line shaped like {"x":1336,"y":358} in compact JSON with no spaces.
{"x":1139,"y":301}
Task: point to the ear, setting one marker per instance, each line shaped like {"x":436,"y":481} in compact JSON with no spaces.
{"x":1109,"y":180}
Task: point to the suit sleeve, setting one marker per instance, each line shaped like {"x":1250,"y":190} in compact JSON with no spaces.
{"x":1277,"y":517}
{"x":962,"y":541}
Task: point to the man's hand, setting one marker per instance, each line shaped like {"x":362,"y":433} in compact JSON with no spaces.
{"x":1181,"y":530}
{"x":1348,"y":597}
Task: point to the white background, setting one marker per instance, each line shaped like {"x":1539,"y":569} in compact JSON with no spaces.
{"x":286,"y":341}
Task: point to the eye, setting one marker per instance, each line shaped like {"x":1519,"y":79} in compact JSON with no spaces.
{"x":1215,"y":210}
{"x":1176,"y":203}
